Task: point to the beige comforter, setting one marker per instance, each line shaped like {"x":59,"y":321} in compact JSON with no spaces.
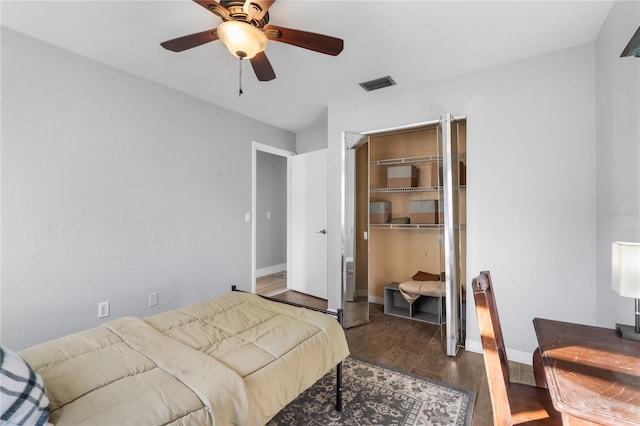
{"x":234,"y":360}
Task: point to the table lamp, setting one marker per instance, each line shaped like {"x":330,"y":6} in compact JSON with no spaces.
{"x":625,"y":280}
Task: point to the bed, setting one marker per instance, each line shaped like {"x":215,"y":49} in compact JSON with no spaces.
{"x":234,"y":360}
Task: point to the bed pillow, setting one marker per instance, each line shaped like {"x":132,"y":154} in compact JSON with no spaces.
{"x":23,"y":400}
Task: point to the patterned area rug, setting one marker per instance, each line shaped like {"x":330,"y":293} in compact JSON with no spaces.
{"x":374,"y":395}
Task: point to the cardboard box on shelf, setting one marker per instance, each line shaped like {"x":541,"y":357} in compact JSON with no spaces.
{"x":424,"y":211}
{"x":379,"y":212}
{"x":433,"y":175}
{"x":402,"y":176}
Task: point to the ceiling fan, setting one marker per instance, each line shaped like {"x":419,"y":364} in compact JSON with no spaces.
{"x":245,"y":32}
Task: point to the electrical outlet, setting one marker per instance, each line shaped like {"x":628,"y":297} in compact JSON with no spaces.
{"x":103,"y":309}
{"x":153,"y":299}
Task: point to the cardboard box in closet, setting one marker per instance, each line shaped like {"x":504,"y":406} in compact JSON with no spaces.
{"x":379,"y":212}
{"x":424,"y":211}
{"x":462,"y":173}
{"x":402,"y":176}
{"x":433,"y":175}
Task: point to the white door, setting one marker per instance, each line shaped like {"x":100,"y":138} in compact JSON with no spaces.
{"x":308,"y":246}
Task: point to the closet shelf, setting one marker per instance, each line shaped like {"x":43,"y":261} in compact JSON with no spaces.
{"x":457,"y":226}
{"x":412,"y":189}
{"x":409,"y":160}
{"x":406,"y":225}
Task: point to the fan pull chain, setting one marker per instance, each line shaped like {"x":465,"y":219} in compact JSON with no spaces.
{"x":240,"y":79}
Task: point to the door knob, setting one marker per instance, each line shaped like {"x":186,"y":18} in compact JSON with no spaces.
{"x":323,"y":231}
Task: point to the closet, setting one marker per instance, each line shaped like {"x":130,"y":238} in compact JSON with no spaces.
{"x":406,"y":222}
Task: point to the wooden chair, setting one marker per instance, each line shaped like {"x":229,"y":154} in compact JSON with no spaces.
{"x":512,"y":403}
{"x":538,"y":370}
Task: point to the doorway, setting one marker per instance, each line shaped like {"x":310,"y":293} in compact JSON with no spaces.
{"x":297,"y":184}
{"x":269,"y":224}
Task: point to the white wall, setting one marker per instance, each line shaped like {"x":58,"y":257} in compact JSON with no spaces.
{"x":114,"y":187}
{"x":617,"y":153}
{"x":312,"y":140}
{"x":531,"y":178}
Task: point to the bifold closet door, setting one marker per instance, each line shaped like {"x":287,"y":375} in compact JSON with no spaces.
{"x":448,"y":150}
{"x":355,"y":288}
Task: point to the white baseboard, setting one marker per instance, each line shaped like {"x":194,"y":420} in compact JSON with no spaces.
{"x":513,"y":355}
{"x":473,"y":346}
{"x":270,"y":270}
{"x":520,"y":356}
{"x":377,"y":300}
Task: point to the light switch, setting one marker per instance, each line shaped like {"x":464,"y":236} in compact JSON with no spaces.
{"x":103,"y":309}
{"x":268,"y":215}
{"x":247,"y":217}
{"x":153,"y":299}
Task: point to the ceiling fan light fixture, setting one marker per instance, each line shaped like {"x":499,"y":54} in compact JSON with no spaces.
{"x":242,"y":39}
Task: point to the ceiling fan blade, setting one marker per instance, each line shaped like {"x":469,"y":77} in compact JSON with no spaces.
{"x":262,"y":67}
{"x":263,"y":5}
{"x":192,"y":40}
{"x":312,"y":41}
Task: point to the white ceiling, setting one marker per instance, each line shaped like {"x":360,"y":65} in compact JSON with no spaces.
{"x":413,"y":41}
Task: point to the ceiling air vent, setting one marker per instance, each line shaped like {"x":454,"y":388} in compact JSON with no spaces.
{"x":378,"y":83}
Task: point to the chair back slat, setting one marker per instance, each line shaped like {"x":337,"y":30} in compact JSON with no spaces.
{"x":494,"y":351}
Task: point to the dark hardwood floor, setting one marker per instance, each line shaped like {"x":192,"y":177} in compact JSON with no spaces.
{"x":417,"y":348}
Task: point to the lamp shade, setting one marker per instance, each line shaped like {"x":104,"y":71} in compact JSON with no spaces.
{"x":625,"y":269}
{"x":242,"y":39}
{"x":633,"y":48}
